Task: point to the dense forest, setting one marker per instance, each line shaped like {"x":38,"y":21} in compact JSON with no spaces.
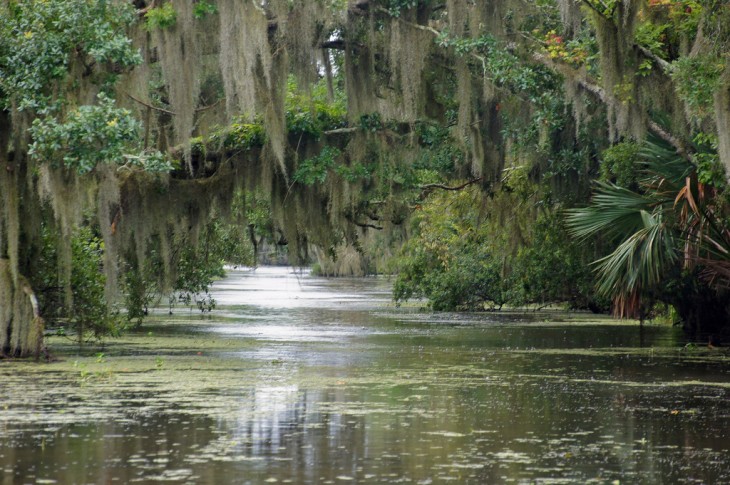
{"x":491,"y":153}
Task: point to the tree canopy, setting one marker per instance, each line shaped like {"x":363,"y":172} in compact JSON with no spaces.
{"x":144,"y":122}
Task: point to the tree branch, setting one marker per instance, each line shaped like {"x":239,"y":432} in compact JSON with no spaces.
{"x":205,"y":108}
{"x":604,"y":97}
{"x":663,"y":65}
{"x":338,"y":44}
{"x":352,"y":220}
{"x":428,"y":188}
{"x":595,"y":9}
{"x":143,"y":11}
{"x":339,"y":131}
{"x":162,"y":110}
{"x":172,"y":113}
{"x":675,"y":142}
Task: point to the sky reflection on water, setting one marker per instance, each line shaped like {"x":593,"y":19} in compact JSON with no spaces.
{"x":296,"y":379}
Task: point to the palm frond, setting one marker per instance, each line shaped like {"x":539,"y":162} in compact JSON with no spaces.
{"x":614,"y":211}
{"x":640,"y":261}
{"x":661,"y":162}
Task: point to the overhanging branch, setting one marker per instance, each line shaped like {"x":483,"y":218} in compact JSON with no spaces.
{"x":591,"y":87}
{"x":428,"y":188}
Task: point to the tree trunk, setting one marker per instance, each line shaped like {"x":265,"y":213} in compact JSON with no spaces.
{"x":21,"y":327}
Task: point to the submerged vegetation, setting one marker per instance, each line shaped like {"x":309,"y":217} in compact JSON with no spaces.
{"x":144,"y":143}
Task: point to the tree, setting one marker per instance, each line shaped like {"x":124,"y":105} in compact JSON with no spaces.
{"x":152,"y":115}
{"x":671,"y":241}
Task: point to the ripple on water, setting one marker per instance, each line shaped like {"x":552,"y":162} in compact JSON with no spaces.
{"x":298,"y":381}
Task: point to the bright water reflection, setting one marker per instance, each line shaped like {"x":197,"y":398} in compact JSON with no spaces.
{"x":304,"y":380}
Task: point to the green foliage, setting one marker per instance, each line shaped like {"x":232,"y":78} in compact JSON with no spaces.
{"x":652,"y":36}
{"x":163,"y":17}
{"x":314,"y":170}
{"x":578,"y":52}
{"x":466,"y":45}
{"x":88,"y":136}
{"x":619,"y":163}
{"x":564,"y":163}
{"x":659,"y":233}
{"x":640,"y":261}
{"x":709,"y":168}
{"x":256,"y":208}
{"x":89,"y":312}
{"x":439,"y":154}
{"x":308,"y":115}
{"x":40,"y":39}
{"x":461,"y":258}
{"x":203,"y":8}
{"x":553,"y":268}
{"x":194,"y":266}
{"x":140,"y":290}
{"x":697,"y":78}
{"x":448,"y":261}
{"x":471,"y":280}
{"x":395,"y":7}
{"x":152,"y":161}
{"x":313,"y":113}
{"x":686,"y":15}
{"x":355,"y":172}
{"x":614,"y":212}
{"x":370,"y":122}
{"x":605,"y":7}
{"x":242,"y":136}
{"x":505,"y":68}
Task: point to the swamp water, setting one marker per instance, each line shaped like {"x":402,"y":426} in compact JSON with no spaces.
{"x":295,"y":379}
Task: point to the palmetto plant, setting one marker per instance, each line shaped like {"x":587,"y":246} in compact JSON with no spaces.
{"x":672,"y":223}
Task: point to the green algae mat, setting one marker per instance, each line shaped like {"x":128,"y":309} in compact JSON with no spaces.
{"x":295,"y":379}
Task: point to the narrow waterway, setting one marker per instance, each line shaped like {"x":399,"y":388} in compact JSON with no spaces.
{"x":297,"y":379}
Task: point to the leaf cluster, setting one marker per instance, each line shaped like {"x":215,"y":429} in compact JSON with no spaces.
{"x":313,"y":113}
{"x":88,"y":136}
{"x":697,"y":78}
{"x":314,"y":170}
{"x":89,"y":312}
{"x":462,"y":258}
{"x":40,"y":39}
{"x":162,"y":17}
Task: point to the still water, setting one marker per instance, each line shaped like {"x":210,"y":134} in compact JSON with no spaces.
{"x":296,"y":379}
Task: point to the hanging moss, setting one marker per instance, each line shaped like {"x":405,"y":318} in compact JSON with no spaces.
{"x":307,"y":25}
{"x":108,"y":215}
{"x":409,"y":65}
{"x":570,"y":15}
{"x":722,"y":118}
{"x":615,"y":35}
{"x":178,"y":48}
{"x":397,"y":66}
{"x":244,"y":43}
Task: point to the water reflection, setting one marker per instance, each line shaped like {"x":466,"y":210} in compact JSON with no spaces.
{"x":303,"y":380}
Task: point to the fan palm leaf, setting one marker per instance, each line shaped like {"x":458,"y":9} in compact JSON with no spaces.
{"x":614,"y":212}
{"x":643,"y":224}
{"x":641,"y":260}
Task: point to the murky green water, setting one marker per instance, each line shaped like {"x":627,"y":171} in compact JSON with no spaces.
{"x":301,"y":380}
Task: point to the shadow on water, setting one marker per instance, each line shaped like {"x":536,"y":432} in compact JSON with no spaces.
{"x":296,"y":379}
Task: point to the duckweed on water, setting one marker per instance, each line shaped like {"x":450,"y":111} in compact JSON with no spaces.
{"x":370,"y":399}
